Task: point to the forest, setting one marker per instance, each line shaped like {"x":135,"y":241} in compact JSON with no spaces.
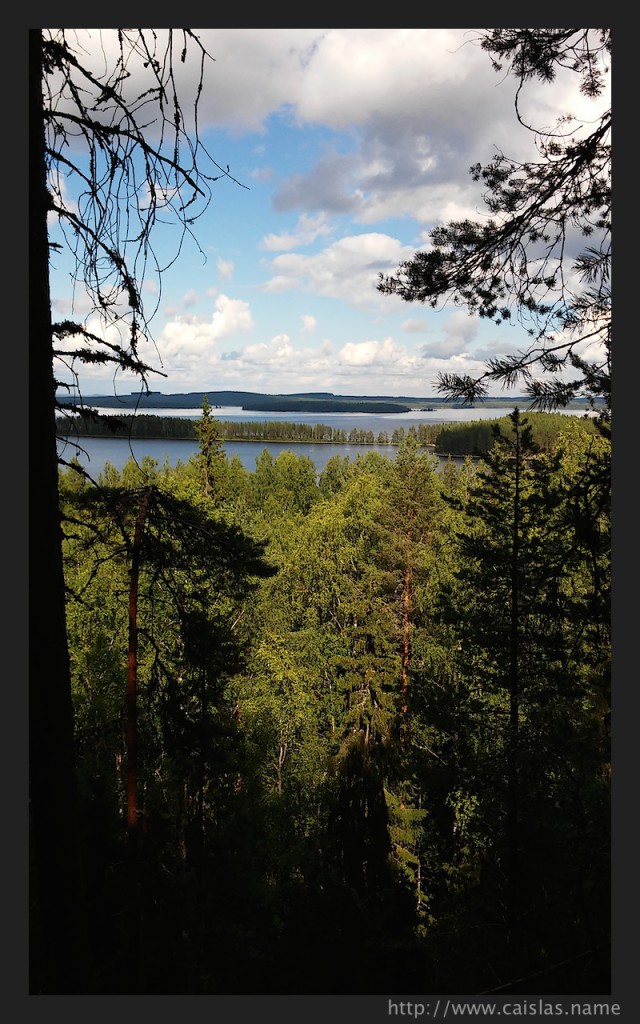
{"x":344,"y":734}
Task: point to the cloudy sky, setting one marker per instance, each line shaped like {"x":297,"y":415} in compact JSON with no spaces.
{"x":345,"y":147}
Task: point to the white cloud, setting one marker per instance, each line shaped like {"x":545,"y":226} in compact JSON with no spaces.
{"x":64,"y":199}
{"x":306,"y":231}
{"x":278,"y":350}
{"x":278,"y":364}
{"x":349,"y":72}
{"x":181,"y":339}
{"x":162,"y":196}
{"x":348,"y":269}
{"x":309,"y":323}
{"x":256,"y":71}
{"x":453,"y":346}
{"x":421,"y":105}
{"x":225,"y":268}
{"x":366,"y":353}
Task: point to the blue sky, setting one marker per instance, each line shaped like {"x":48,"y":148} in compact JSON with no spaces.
{"x":350,"y":146}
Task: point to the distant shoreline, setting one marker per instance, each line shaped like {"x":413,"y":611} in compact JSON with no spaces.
{"x":320,"y":402}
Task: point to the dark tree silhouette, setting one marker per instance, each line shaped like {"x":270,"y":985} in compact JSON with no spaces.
{"x":110,"y":150}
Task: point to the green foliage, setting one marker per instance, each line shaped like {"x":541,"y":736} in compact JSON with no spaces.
{"x":326,"y":673}
{"x":529,"y":747}
{"x":212,"y":460}
{"x":477,"y":436}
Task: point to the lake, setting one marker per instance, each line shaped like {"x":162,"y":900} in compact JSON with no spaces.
{"x":99,"y":450}
{"x":95,"y":452}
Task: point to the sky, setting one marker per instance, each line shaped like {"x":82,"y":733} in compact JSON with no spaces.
{"x":345,"y":148}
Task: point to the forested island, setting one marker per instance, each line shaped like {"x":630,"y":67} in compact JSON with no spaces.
{"x":310,"y":402}
{"x":252,"y":401}
{"x":474,"y":437}
{"x":358,"y":739}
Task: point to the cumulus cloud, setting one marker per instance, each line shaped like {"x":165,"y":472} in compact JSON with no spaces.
{"x":348,"y":269}
{"x":333,"y":184}
{"x":278,"y":350}
{"x":421,"y":105}
{"x":306,"y":231}
{"x":64,"y":199}
{"x":461,"y":325}
{"x":278,"y":365}
{"x":383,"y":367}
{"x":260,"y":69}
{"x":376,"y":125}
{"x":491,"y":349}
{"x":181,"y":339}
{"x":366,"y":353}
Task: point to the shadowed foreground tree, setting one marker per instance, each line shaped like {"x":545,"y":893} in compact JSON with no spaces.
{"x":165,"y":579}
{"x":110,"y":151}
{"x":529,"y":750}
{"x":544,"y":249}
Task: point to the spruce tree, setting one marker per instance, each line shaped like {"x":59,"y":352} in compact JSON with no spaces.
{"x":212,"y":458}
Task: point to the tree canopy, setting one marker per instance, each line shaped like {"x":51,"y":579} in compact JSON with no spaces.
{"x":542,"y":251}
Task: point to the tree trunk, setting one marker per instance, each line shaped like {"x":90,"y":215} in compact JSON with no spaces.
{"x":406,"y":625}
{"x":57,"y":944}
{"x":512,"y":781}
{"x":133,"y":823}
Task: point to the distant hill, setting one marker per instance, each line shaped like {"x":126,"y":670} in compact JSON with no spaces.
{"x":250,"y":401}
{"x":321,"y":401}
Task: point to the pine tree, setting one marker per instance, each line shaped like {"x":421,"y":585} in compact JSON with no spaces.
{"x":89,"y":141}
{"x":516,"y":261}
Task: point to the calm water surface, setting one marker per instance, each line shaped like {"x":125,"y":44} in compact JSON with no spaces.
{"x":95,"y":452}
